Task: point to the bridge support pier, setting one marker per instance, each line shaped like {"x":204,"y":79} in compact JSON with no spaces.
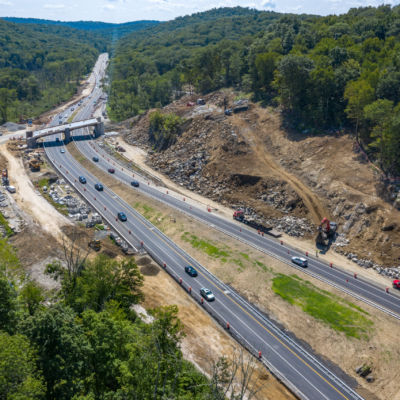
{"x":99,"y":128}
{"x":30,"y":140}
{"x":67,"y":135}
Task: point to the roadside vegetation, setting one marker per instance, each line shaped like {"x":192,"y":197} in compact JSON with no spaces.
{"x":86,"y":342}
{"x":326,"y":73}
{"x":340,"y":315}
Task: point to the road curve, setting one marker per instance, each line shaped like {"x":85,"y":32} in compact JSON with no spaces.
{"x":354,"y":285}
{"x":302,"y":372}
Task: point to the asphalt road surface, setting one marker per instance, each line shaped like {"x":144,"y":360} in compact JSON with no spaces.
{"x":308,"y":377}
{"x":356,"y":286}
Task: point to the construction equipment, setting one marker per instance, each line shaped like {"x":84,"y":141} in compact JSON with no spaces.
{"x":4,"y":177}
{"x":254,"y":223}
{"x":95,"y":245}
{"x":34,"y":165}
{"x":326,"y":232}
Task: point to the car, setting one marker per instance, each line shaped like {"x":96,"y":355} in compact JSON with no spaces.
{"x":95,"y":159}
{"x":135,"y":183}
{"x":57,"y":139}
{"x":190,"y":270}
{"x":122,"y":216}
{"x":60,"y":122}
{"x":11,"y":189}
{"x":300,"y":261}
{"x":111,"y":170}
{"x":62,"y":151}
{"x":98,"y":186}
{"x":396,"y":284}
{"x":207,"y":294}
{"x":82,"y":179}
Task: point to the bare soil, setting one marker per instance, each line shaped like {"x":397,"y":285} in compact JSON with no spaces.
{"x":30,"y":200}
{"x":381,"y":349}
{"x":251,"y":159}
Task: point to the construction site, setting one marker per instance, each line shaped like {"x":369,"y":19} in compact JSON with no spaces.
{"x":297,"y":184}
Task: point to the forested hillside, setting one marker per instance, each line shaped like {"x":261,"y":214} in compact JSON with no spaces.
{"x":326,"y":73}
{"x":104,"y":28}
{"x":85,"y":342}
{"x":40,"y":66}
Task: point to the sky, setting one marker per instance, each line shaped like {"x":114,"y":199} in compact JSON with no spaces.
{"x":133,"y":10}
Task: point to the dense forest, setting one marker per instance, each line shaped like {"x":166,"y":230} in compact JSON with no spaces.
{"x":106,"y":29}
{"x":41,"y":66}
{"x":326,"y":73}
{"x":84,"y":341}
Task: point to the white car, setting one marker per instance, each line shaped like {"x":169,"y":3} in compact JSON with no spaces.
{"x":300,"y":261}
{"x":62,"y":151}
{"x":207,"y":294}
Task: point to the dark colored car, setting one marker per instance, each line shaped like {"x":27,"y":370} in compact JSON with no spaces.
{"x":111,"y":170}
{"x":122,"y":216}
{"x":190,"y":270}
{"x":57,"y":139}
{"x":95,"y":159}
{"x":98,"y":186}
{"x":82,"y":179}
{"x":207,"y":294}
{"x":135,"y":183}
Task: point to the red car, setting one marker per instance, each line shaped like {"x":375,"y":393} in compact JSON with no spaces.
{"x":396,"y":283}
{"x":111,"y":170}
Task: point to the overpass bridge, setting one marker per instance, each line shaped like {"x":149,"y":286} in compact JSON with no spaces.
{"x":33,"y":136}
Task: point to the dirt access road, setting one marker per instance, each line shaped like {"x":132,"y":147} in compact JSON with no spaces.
{"x":311,"y":201}
{"x":30,"y":200}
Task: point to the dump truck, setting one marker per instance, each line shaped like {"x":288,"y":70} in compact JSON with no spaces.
{"x":239,"y":215}
{"x":326,"y":232}
{"x":34,"y":165}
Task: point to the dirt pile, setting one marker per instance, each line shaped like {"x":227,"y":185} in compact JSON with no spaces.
{"x":292,"y":180}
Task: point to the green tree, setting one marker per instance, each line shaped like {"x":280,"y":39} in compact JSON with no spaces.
{"x":8,"y":305}
{"x":379,"y":113}
{"x":293,"y":82}
{"x":63,"y":350}
{"x":19,"y":377}
{"x":105,"y":279}
{"x":358,"y":94}
{"x":31,"y":296}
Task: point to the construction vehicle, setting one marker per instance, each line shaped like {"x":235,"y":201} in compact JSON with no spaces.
{"x":95,"y":245}
{"x":240,"y":216}
{"x":34,"y":165}
{"x":326,"y":232}
{"x":4,"y":178}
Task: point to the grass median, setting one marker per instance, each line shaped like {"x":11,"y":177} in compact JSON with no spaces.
{"x":339,"y":314}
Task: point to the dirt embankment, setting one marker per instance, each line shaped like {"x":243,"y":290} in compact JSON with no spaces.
{"x":249,"y":159}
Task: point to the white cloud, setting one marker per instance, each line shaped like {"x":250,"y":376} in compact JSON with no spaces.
{"x":54,"y":6}
{"x":5,"y":3}
{"x":109,"y":7}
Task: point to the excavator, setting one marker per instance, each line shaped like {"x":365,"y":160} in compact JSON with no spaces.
{"x":95,"y":245}
{"x":326,"y":232}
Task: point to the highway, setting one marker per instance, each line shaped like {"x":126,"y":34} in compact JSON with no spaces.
{"x":358,"y":287}
{"x":306,"y":376}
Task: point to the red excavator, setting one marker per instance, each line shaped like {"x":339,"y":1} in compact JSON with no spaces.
{"x":326,"y":231}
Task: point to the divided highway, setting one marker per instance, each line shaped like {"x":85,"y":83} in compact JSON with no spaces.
{"x":358,"y":287}
{"x":289,"y":361}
